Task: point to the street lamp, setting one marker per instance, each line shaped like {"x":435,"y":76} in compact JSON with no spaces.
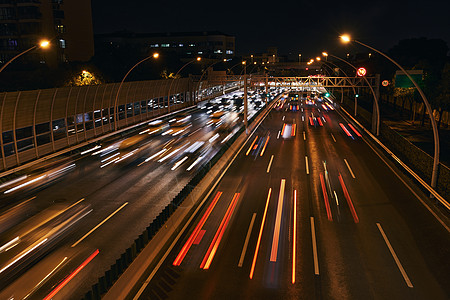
{"x":173,"y":79}
{"x":377,"y":131}
{"x":203,"y":73}
{"x":299,"y":58}
{"x":346,"y":39}
{"x":44,"y":44}
{"x":116,"y":111}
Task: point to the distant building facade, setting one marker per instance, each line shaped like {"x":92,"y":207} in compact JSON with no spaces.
{"x":208,"y":44}
{"x":67,"y":23}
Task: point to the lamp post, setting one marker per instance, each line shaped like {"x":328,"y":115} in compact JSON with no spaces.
{"x":346,"y":39}
{"x":203,"y":73}
{"x":299,"y":58}
{"x":245,"y":97}
{"x":116,"y":112}
{"x":375,"y":98}
{"x":170,"y":87}
{"x":326,"y":63}
{"x":44,"y":44}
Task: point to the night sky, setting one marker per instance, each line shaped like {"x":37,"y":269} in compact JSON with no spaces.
{"x":307,"y":27}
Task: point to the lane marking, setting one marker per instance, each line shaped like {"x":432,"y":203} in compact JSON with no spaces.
{"x":72,"y":275}
{"x":307,"y":165}
{"x":283,"y":118}
{"x":397,"y":261}
{"x":100,"y":224}
{"x":333,"y":137}
{"x":294,"y":237}
{"x":207,"y":260}
{"x":247,"y":238}
{"x":304,"y":136}
{"x":270,"y":164}
{"x":260,"y":234}
{"x":314,"y":246}
{"x":350,"y":169}
{"x":196,"y":231}
{"x":349,"y":200}
{"x":276,"y":230}
{"x":278,"y":136}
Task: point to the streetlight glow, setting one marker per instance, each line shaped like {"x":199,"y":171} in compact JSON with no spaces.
{"x":199,"y":58}
{"x":324,"y":53}
{"x":44,"y":44}
{"x":155,"y":55}
{"x":345,"y":38}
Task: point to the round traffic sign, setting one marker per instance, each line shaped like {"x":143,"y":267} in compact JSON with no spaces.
{"x":361,"y":72}
{"x":385,"y":83}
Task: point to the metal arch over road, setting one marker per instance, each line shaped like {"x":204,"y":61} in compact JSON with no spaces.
{"x":310,"y":81}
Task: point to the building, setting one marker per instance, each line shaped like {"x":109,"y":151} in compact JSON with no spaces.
{"x":208,"y":44}
{"x":269,"y":57}
{"x":67,"y":23}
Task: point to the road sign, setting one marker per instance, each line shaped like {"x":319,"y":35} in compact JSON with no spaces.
{"x":361,"y":72}
{"x":402,"y":81}
{"x":385,"y":83}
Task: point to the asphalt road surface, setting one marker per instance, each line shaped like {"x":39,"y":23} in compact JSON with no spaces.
{"x":308,"y":210}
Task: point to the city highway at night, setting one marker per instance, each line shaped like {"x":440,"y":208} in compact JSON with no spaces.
{"x":309,"y":210}
{"x":61,"y":229}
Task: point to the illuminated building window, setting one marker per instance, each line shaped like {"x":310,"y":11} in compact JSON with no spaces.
{"x":62,"y":43}
{"x":165,"y":45}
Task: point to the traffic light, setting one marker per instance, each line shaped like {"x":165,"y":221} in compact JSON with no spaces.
{"x":327,"y":94}
{"x":356,"y":95}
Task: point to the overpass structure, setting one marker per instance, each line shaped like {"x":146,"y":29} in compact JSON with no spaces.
{"x":40,"y":122}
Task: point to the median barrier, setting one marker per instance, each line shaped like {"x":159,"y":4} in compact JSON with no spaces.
{"x":156,"y":225}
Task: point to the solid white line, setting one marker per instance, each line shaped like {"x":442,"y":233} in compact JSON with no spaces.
{"x":247,"y":238}
{"x":307,"y":165}
{"x":93,"y":229}
{"x":276,"y":230}
{"x":397,"y":261}
{"x":314,"y":245}
{"x":283,"y":118}
{"x":270,"y":164}
{"x":350,"y":169}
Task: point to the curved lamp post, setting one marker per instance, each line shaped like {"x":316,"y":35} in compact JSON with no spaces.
{"x":203,"y":73}
{"x":375,"y":98}
{"x":44,"y":44}
{"x":116,"y":112}
{"x":346,"y":39}
{"x":170,"y":87}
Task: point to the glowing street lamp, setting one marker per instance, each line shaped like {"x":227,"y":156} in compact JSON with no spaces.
{"x":346,"y":39}
{"x":43,"y":44}
{"x":116,"y":110}
{"x":173,"y":79}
